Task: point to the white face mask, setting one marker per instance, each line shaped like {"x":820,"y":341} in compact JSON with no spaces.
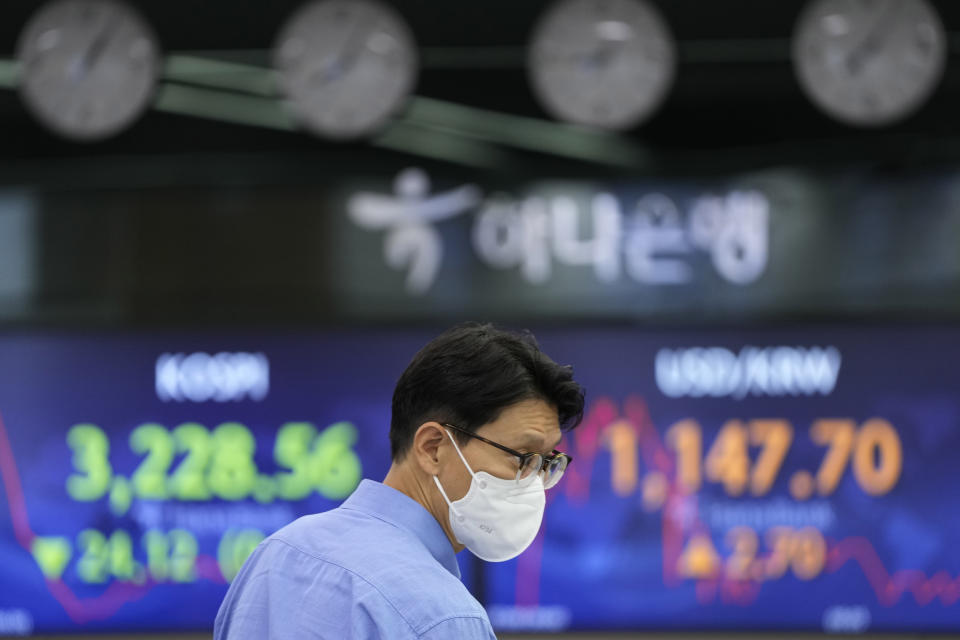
{"x":498,"y":518}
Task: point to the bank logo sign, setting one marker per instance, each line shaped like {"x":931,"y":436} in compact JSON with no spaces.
{"x":648,"y":239}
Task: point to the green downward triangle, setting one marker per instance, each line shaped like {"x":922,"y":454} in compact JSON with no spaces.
{"x":52,"y":553}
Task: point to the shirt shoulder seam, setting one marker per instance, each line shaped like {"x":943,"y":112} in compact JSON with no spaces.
{"x":463,"y":616}
{"x":373,"y":515}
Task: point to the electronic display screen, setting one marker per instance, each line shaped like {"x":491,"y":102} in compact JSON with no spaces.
{"x":777,"y":478}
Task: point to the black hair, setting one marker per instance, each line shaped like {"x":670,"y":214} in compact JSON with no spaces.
{"x":469,"y":374}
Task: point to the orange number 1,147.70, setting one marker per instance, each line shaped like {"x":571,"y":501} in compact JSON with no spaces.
{"x":874,"y":449}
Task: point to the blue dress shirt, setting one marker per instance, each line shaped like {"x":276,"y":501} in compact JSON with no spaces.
{"x":378,"y":566}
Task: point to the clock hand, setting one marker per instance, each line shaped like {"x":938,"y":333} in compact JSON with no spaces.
{"x":588,"y":59}
{"x":355,"y":48}
{"x":346,"y":55}
{"x":873,"y":41}
{"x":93,"y":53}
{"x":591,"y":59}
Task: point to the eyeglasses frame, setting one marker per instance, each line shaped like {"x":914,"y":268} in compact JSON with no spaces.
{"x":522,"y":456}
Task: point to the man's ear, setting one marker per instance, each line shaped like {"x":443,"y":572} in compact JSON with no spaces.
{"x":426,"y":447}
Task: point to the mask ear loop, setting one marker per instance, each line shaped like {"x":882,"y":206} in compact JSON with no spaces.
{"x":443,"y":493}
{"x":465,"y":463}
{"x":436,"y":480}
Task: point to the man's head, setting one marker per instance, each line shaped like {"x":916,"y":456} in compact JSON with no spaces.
{"x":470,"y":374}
{"x":484,"y":382}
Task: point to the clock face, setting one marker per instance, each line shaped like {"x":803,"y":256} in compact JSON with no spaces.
{"x":601,"y":63}
{"x":869,"y":62}
{"x":346,"y":66}
{"x":88,"y":67}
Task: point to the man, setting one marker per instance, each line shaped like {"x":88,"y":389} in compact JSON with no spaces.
{"x":476,"y":417}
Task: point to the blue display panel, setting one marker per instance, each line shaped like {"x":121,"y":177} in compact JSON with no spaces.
{"x":775,"y":479}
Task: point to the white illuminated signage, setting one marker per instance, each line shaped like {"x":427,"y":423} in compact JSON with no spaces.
{"x":761,"y":371}
{"x":411,"y":242}
{"x":223,"y":377}
{"x":649,"y":240}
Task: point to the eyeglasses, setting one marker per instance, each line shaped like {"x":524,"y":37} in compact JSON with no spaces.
{"x":550,"y":467}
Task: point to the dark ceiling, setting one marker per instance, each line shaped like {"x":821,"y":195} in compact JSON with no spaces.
{"x":735,"y":104}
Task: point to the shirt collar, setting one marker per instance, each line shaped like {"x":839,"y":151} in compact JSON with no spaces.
{"x":386,"y":503}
